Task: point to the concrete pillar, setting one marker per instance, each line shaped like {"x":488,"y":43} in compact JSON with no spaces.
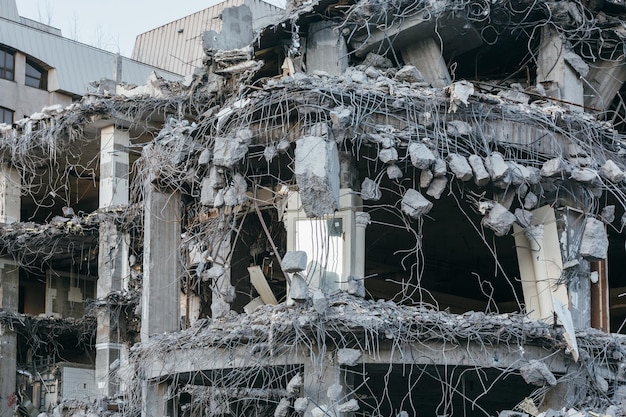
{"x":326,"y":386}
{"x":113,"y":268}
{"x":425,"y":55}
{"x":114,"y":143}
{"x":604,"y":80}
{"x":10,"y":184}
{"x":9,"y":287}
{"x":362,"y":219}
{"x":10,"y":205}
{"x":326,"y":49}
{"x":552,"y":67}
{"x":160,"y":311}
{"x":222,"y":291}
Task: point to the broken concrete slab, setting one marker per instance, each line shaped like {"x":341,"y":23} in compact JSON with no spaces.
{"x":317,"y":175}
{"x":460,"y":167}
{"x":298,"y":288}
{"x":481,"y":176}
{"x":458,"y":128}
{"x":349,"y":406}
{"x":594,"y":245}
{"x":320,"y":303}
{"x":537,"y":373}
{"x":437,"y":187}
{"x":300,"y":405}
{"x":499,"y":219}
{"x":414,"y":204}
{"x":421,"y":156}
{"x":440,"y":168}
{"x":608,"y":214}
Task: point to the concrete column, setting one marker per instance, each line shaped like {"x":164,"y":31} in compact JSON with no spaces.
{"x":425,"y":55}
{"x":326,"y":386}
{"x":222,"y":291}
{"x":362,"y":219}
{"x":10,"y":204}
{"x":160,"y":299}
{"x":9,"y":287}
{"x":326,"y":49}
{"x":552,"y":67}
{"x":114,"y":143}
{"x":113,"y":268}
{"x":604,"y":80}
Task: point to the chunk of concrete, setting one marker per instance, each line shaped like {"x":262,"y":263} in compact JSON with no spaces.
{"x":269,"y":153}
{"x":294,"y":261}
{"x":421,"y":156}
{"x":348,"y":357}
{"x":317,"y":175}
{"x":341,"y":116}
{"x":228,"y":151}
{"x":356,"y":286}
{"x":349,"y":406}
{"x":595,"y":243}
{"x":394,"y":172}
{"x":524,"y":217}
{"x":377,"y":61}
{"x":612,"y":172}
{"x":370,"y":190}
{"x":437,"y":187}
{"x":460,"y":167}
{"x":481,"y":176}
{"x":537,"y":373}
{"x":409,"y":74}
{"x":517,"y":173}
{"x":496,"y":166}
{"x":440,"y":168}
{"x":608,"y":214}
{"x":426,"y":176}
{"x":334,"y":392}
{"x":554,"y":167}
{"x":205,"y":157}
{"x":415,"y":204}
{"x":300,"y":405}
{"x":530,"y":201}
{"x":388,"y":155}
{"x":320,"y":303}
{"x":584,"y":175}
{"x":210,"y":186}
{"x":299,"y":289}
{"x":295,"y":384}
{"x":458,"y":128}
{"x":282,"y":409}
{"x":499,"y":219}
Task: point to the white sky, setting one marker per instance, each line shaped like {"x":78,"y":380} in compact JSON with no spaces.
{"x":113,"y":24}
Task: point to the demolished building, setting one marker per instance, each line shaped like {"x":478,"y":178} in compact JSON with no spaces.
{"x":378,"y":208}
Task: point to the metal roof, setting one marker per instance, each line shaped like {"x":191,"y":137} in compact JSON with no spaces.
{"x":76,"y":64}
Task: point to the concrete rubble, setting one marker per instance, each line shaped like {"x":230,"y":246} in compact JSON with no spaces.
{"x":316,"y":225}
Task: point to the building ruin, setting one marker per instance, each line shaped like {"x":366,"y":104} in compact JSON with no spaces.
{"x":376,"y":208}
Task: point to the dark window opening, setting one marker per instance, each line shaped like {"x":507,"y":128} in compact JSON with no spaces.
{"x":36,"y":76}
{"x":7,"y":64}
{"x":6,"y":115}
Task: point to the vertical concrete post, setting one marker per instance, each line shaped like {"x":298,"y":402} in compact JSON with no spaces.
{"x":552,"y":67}
{"x":161,"y":280}
{"x":326,"y":386}
{"x":326,"y":49}
{"x":361,"y":219}
{"x":113,"y":267}
{"x":10,"y":205}
{"x":9,"y":284}
{"x":425,"y":55}
{"x":222,"y":291}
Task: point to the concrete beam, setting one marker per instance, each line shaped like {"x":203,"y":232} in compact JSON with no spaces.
{"x":604,"y":80}
{"x":10,"y":198}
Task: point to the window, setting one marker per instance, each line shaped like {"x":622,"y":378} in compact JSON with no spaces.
{"x":6,"y":115}
{"x":36,"y":76}
{"x":7,"y":64}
